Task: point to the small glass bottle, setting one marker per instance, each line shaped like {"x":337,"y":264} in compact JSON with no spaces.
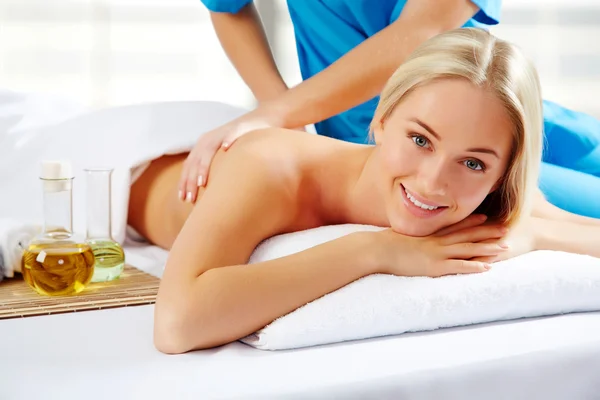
{"x":109,"y":255}
{"x":57,"y":262}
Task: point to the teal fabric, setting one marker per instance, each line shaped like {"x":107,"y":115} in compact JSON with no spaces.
{"x":325,"y":30}
{"x":570,"y":175}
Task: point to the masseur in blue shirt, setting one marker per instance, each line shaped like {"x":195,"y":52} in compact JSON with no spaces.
{"x":347,"y":49}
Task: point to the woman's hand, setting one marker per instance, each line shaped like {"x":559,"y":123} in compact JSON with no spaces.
{"x":458,"y":249}
{"x":520,"y":239}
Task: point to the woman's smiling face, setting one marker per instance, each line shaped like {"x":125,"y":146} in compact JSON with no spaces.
{"x":443,"y":149}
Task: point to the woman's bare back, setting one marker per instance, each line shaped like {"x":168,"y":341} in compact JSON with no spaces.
{"x":295,"y":158}
{"x":154,"y":209}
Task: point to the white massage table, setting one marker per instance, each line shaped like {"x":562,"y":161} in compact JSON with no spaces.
{"x":109,"y":354}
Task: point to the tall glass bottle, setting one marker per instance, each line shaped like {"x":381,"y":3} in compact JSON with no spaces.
{"x":57,"y":262}
{"x":109,"y":255}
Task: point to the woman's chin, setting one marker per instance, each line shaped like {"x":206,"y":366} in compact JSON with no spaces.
{"x":419,"y":230}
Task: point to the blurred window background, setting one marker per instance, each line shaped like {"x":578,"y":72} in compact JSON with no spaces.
{"x":114,"y":52}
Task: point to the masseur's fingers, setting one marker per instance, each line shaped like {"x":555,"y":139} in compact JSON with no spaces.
{"x":182,"y":185}
{"x":203,"y":166}
{"x":234,"y":135}
{"x":196,"y":167}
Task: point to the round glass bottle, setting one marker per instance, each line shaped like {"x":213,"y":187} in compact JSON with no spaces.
{"x":57,"y":262}
{"x":109,"y":255}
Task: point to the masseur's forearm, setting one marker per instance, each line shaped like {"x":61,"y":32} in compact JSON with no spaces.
{"x":245,"y":43}
{"x":567,"y":236}
{"x":361,"y":73}
{"x":225,"y":304}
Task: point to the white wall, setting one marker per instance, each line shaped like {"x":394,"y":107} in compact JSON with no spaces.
{"x":113,"y":52}
{"x":563,"y":39}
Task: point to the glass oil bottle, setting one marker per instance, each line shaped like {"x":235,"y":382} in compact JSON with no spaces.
{"x":109,"y":255}
{"x":56,"y":262}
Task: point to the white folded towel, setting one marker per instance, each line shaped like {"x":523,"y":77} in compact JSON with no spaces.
{"x":535,"y":284}
{"x":14,"y":238}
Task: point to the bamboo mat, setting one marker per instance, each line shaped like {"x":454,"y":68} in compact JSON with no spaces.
{"x":134,"y":287}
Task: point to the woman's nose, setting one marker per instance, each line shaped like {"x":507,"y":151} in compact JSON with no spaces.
{"x":434,"y":177}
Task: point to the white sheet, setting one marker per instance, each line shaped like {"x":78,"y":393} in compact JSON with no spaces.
{"x":96,"y":354}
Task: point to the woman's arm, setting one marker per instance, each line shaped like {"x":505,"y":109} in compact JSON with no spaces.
{"x":546,"y":210}
{"x":566,"y":236}
{"x":245,"y":43}
{"x":208,"y":296}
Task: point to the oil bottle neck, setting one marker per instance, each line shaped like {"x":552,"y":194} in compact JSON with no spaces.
{"x":58,"y":198}
{"x":98,"y":193}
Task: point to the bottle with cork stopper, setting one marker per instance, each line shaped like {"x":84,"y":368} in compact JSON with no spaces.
{"x":57,"y":261}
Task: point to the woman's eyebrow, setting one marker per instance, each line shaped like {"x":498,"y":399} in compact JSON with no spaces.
{"x":483,"y":150}
{"x":433,"y":133}
{"x":426,"y":127}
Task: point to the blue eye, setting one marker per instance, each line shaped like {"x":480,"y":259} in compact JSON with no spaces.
{"x":420,"y":141}
{"x":474,"y":165}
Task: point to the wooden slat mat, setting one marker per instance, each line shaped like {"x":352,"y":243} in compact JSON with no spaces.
{"x":134,"y":287}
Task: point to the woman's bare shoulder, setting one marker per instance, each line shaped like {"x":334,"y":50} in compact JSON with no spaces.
{"x":273,"y":151}
{"x":281,"y":164}
{"x":272,"y":145}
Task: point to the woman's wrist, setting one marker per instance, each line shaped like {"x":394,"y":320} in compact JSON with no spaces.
{"x":544,"y":233}
{"x":371,"y":252}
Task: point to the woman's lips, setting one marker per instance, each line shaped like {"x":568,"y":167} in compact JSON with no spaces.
{"x":418,"y":211}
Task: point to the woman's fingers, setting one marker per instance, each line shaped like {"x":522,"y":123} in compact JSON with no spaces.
{"x":486,"y":259}
{"x":472,"y":250}
{"x":469,"y":222}
{"x":452,"y":267}
{"x":475,"y":234}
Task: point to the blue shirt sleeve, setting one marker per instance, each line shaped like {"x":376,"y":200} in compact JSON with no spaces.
{"x":225,"y":6}
{"x":489,"y":11}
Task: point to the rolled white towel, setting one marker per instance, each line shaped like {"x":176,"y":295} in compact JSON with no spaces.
{"x":14,"y":238}
{"x":534,"y":284}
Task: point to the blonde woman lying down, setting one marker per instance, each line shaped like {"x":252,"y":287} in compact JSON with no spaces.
{"x":458,"y":140}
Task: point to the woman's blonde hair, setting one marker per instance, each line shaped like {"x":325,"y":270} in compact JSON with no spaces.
{"x":486,"y":61}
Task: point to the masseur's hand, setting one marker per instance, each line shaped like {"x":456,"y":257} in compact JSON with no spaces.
{"x":196,"y":167}
{"x":447,"y":252}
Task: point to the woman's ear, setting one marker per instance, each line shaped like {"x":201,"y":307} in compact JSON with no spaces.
{"x":377,"y":129}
